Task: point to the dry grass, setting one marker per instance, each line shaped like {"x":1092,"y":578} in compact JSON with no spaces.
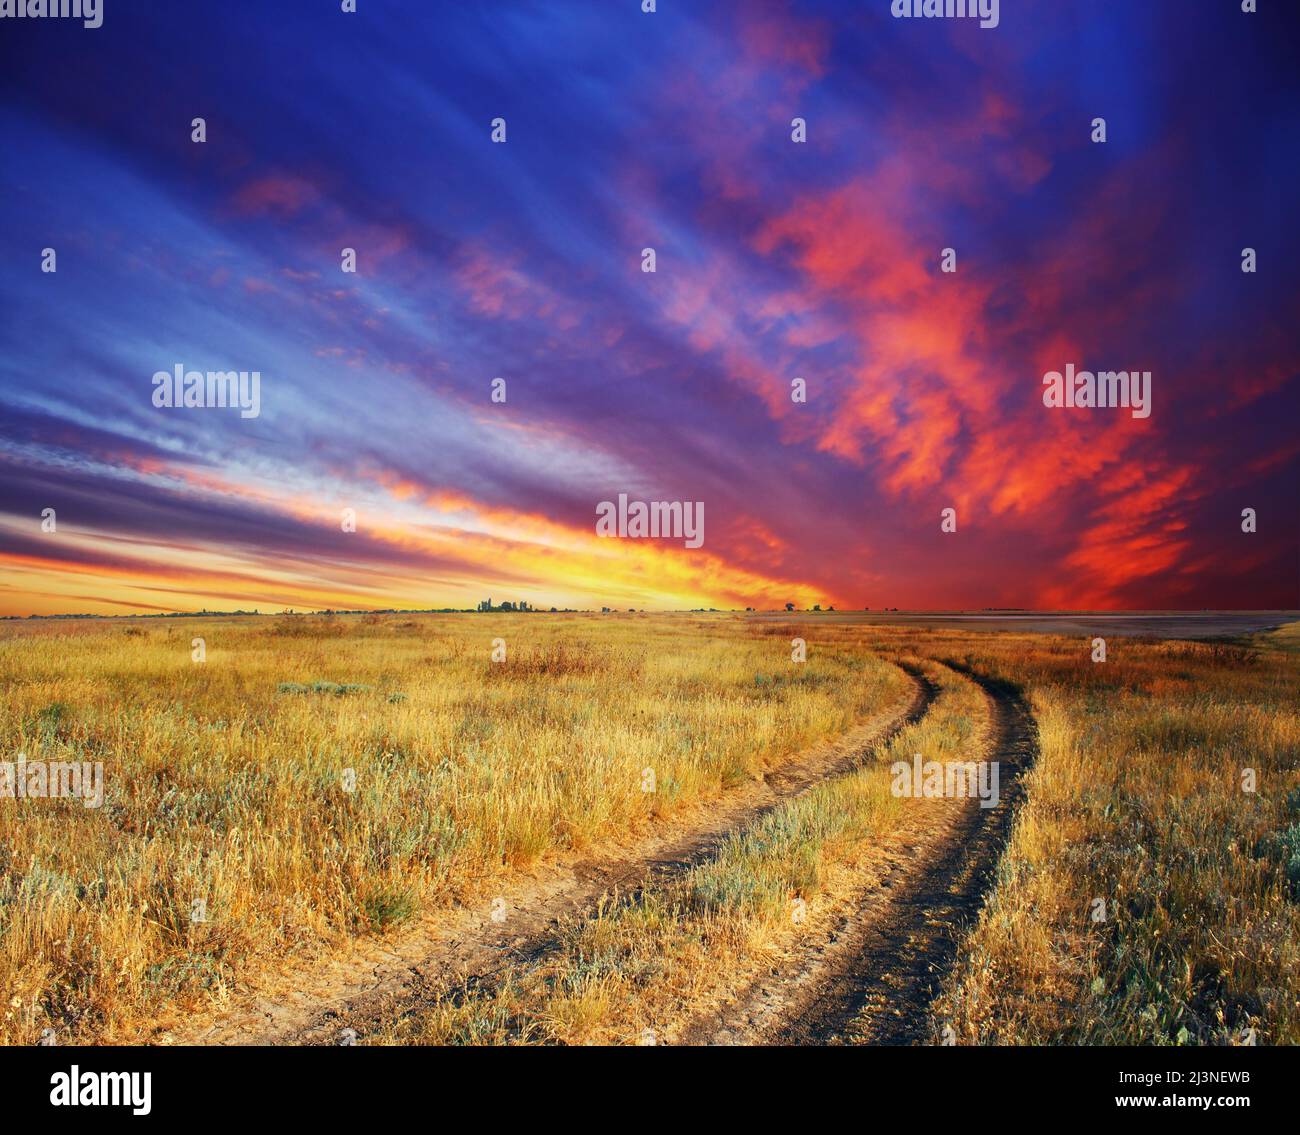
{"x":225,"y":779}
{"x":1137,"y":803}
{"x":224,"y":783}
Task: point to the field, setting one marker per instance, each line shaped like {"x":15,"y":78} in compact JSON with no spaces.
{"x":648,"y":829}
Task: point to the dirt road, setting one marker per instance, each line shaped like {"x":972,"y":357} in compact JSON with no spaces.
{"x":873,"y":978}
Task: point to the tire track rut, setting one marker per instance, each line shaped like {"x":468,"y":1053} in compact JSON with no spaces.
{"x":875,"y":978}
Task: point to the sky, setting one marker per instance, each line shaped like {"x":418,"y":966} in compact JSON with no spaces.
{"x":775,"y":260}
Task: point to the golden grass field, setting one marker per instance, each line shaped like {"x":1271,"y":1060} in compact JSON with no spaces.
{"x":227,"y":780}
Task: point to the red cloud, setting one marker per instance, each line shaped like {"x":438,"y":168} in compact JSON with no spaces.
{"x":281,"y":195}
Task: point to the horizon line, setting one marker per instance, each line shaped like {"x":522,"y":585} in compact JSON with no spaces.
{"x":1114,"y":612}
